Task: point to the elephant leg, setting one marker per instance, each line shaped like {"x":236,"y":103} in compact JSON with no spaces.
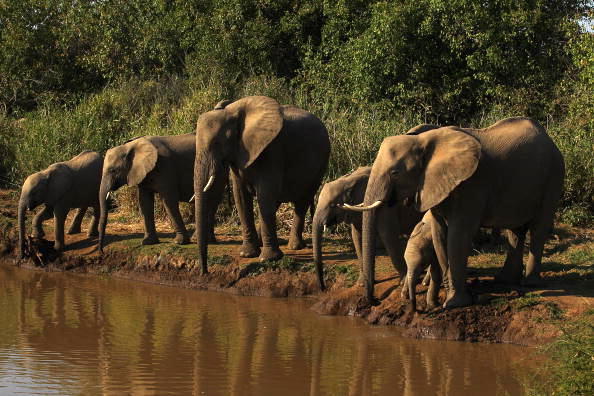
{"x":45,"y":214}
{"x":172,"y":208}
{"x":270,"y":251}
{"x":245,"y":208}
{"x":146,"y":199}
{"x":94,"y":224}
{"x":59,"y":220}
{"x":296,"y":237}
{"x":434,"y":284}
{"x":77,"y":221}
{"x":459,"y":240}
{"x":427,"y":278}
{"x":388,"y":231}
{"x":356,"y":237}
{"x":512,"y":268}
{"x":538,"y":236}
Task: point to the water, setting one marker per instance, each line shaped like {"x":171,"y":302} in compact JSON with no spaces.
{"x":70,"y":334}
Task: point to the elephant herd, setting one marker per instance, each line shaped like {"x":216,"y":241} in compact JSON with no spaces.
{"x":425,"y":195}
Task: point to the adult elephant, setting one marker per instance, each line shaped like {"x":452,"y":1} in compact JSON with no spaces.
{"x":156,"y":164}
{"x":61,"y":187}
{"x":394,"y":223}
{"x":276,"y":153}
{"x":509,"y":175}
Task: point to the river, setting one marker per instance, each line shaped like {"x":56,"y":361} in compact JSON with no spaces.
{"x":72,"y":334}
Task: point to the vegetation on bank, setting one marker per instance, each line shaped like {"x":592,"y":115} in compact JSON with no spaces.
{"x":88,"y":75}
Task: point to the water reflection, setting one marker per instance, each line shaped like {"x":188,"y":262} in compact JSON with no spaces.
{"x":67,"y":334}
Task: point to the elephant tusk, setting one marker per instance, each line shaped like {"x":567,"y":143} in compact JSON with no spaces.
{"x":361,"y":208}
{"x":210,"y":181}
{"x":324,"y":229}
{"x":108,"y":195}
{"x":192,"y":197}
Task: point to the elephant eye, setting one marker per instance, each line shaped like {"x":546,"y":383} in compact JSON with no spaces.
{"x":394,"y":172}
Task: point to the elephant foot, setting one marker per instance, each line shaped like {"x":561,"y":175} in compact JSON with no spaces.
{"x":181,"y":239}
{"x":404,"y":292}
{"x":296,"y":244}
{"x":458,"y":299}
{"x":58,"y":246}
{"x":150,"y":240}
{"x":249,"y":251}
{"x":270,"y":254}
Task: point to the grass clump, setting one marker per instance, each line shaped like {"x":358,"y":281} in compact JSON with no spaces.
{"x":570,"y":368}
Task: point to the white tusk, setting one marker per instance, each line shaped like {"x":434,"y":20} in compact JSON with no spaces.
{"x":108,"y":195}
{"x":192,"y":197}
{"x":210,"y":181}
{"x":324,"y":228}
{"x":361,"y":208}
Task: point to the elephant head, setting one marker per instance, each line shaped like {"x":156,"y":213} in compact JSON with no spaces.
{"x":422,"y":169}
{"x":348,"y":189}
{"x":234,"y":134}
{"x":45,"y":187}
{"x":126,"y":164}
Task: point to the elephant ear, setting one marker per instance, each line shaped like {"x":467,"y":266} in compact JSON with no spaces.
{"x":355,"y":185}
{"x":143,"y":156}
{"x":260,"y":121}
{"x":59,"y":181}
{"x":451,"y":156}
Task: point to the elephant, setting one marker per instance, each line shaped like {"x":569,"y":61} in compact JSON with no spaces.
{"x":350,"y":189}
{"x":418,"y":255}
{"x":156,"y":164}
{"x":277,"y":153}
{"x":61,"y":187}
{"x":509,"y":175}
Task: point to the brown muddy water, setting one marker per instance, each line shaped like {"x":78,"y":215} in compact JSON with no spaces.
{"x":71,"y":334}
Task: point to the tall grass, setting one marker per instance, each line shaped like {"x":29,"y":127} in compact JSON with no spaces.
{"x":172,"y":105}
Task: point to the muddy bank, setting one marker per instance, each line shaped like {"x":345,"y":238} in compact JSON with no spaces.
{"x":520,"y":315}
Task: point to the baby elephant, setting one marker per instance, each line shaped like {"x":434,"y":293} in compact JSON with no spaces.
{"x":418,"y":255}
{"x":61,"y":187}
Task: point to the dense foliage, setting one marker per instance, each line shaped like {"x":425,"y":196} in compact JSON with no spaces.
{"x":83,"y":74}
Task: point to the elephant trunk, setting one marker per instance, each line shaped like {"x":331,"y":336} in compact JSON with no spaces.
{"x":204,"y":176}
{"x":103,"y":191}
{"x":378,"y":189}
{"x":22,"y":210}
{"x":318,"y":222}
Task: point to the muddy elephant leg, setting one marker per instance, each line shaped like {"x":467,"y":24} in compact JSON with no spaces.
{"x":538,"y":237}
{"x":171,"y":203}
{"x":59,"y":220}
{"x":427,"y":278}
{"x":434,"y":285}
{"x":45,"y":214}
{"x":94,"y":224}
{"x":77,"y":221}
{"x":245,"y":208}
{"x":356,"y":237}
{"x":512,"y":268}
{"x":146,"y":199}
{"x":267,"y":205}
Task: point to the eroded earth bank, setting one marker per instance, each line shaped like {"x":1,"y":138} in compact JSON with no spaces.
{"x":519,"y":315}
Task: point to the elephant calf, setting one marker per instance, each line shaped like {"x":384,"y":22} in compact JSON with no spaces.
{"x":61,"y":187}
{"x":156,"y":164}
{"x":418,"y":255}
{"x":350,"y":189}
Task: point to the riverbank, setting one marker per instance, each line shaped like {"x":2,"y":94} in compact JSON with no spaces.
{"x":518,"y":315}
